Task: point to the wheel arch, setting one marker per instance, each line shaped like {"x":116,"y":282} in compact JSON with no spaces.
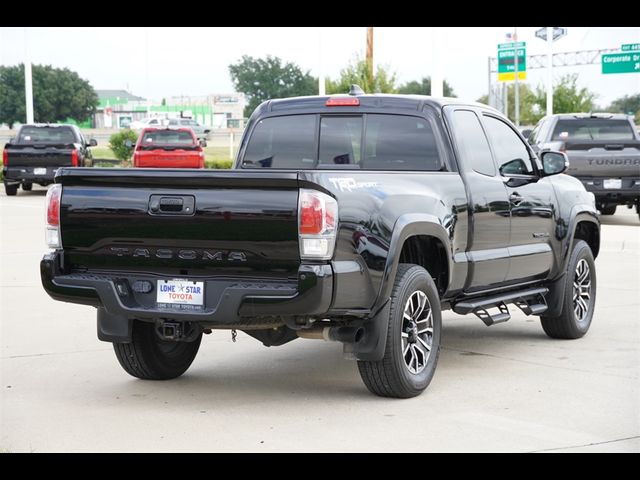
{"x":413,"y":231}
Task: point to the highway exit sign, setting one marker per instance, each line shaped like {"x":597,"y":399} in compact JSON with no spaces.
{"x":507,"y":63}
{"x":627,"y":62}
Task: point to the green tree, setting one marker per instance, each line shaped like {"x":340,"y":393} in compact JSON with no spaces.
{"x":567,"y":96}
{"x":629,"y":104}
{"x":117,"y":144}
{"x":261,"y":79}
{"x":423,"y":87}
{"x":58,"y":94}
{"x":530,"y":111}
{"x":358,"y":72}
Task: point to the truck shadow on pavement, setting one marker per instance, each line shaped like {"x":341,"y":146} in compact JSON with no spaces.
{"x":256,"y":376}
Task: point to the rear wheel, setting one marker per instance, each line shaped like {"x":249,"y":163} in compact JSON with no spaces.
{"x":413,"y":338}
{"x":609,"y":209}
{"x":27,"y":187}
{"x":10,"y":190}
{"x":150,"y":358}
{"x":579,"y":296}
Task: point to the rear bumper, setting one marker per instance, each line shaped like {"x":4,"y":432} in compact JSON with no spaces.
{"x":628,"y":191}
{"x":227,"y":302}
{"x":14,"y":175}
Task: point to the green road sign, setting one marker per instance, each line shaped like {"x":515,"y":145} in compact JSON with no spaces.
{"x":506,"y":61}
{"x":630,"y":46}
{"x":621,"y":62}
{"x":502,"y":46}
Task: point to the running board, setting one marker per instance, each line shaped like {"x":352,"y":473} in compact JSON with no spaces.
{"x":530,"y":301}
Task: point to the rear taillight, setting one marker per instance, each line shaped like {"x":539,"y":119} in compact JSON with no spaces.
{"x":74,"y":158}
{"x":317,"y":224}
{"x":5,"y":157}
{"x":135,"y":159}
{"x":52,"y":232}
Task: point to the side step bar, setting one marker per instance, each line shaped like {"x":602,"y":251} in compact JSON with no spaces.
{"x":530,"y":301}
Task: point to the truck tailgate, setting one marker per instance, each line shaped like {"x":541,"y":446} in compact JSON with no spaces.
{"x":180,"y":222}
{"x":30,"y":156}
{"x":599,"y":159}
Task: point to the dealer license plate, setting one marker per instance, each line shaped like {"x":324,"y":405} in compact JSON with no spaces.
{"x":612,"y":183}
{"x":180,"y":293}
{"x":39,"y":171}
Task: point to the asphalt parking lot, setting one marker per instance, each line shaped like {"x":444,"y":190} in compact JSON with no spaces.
{"x":503,"y":388}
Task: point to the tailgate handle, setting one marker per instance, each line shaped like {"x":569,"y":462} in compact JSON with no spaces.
{"x":614,"y":147}
{"x":172,"y":204}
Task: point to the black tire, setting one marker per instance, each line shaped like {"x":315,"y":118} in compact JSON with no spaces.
{"x":27,"y":187}
{"x":567,"y":325}
{"x":11,"y":190}
{"x":391,"y":377}
{"x":150,"y":358}
{"x":609,"y":209}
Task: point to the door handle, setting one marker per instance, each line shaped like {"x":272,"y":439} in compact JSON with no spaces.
{"x":515,"y":198}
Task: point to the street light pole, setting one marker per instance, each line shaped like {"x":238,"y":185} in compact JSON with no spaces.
{"x":517,"y":92}
{"x":437,"y":78}
{"x":28,"y":83}
{"x":321,"y":81}
{"x":549,"y":72}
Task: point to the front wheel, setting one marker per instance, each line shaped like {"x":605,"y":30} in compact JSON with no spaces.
{"x":413,"y":338}
{"x":579,"y":296}
{"x":150,"y":358}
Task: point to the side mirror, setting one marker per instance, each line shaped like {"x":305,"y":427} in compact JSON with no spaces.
{"x":202,"y":142}
{"x":526,"y":133}
{"x":554,"y":163}
{"x":128,"y":143}
{"x":93,"y":142}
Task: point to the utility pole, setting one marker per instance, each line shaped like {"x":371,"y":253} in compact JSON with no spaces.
{"x":437,"y":78}
{"x":549,"y":73}
{"x":28,"y":83}
{"x":369,"y":58}
{"x":517,"y":92}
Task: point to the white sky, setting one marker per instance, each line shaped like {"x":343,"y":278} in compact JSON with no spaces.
{"x":194,"y":61}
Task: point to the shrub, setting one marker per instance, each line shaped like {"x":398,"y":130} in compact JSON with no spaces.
{"x":117,"y":144}
{"x":218,"y":164}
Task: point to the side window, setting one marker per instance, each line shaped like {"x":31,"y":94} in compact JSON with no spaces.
{"x":472,"y":142}
{"x":153,"y":122}
{"x":533,"y":138}
{"x":173,"y":122}
{"x":512,"y":156}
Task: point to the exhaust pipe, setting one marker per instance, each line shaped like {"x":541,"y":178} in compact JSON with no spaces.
{"x":333,"y":334}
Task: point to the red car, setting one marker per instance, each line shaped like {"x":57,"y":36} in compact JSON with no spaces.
{"x":168,"y":148}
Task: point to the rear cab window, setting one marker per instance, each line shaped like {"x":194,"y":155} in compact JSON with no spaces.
{"x":366,"y":141}
{"x":166,"y":139}
{"x":592,"y":129}
{"x":31,"y":135}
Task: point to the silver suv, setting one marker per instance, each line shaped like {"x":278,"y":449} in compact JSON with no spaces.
{"x":200,"y":131}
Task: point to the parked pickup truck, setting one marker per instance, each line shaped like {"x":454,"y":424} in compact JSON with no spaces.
{"x":603,"y":151}
{"x":168,"y":148}
{"x":353,"y":218}
{"x":37,"y":151}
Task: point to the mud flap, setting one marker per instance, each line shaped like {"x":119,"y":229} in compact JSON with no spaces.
{"x":555,"y":297}
{"x":113,"y":328}
{"x":374,"y":341}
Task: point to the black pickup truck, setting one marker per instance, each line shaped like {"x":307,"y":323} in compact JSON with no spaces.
{"x":353,"y":218}
{"x":603,"y":151}
{"x":37,"y":151}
